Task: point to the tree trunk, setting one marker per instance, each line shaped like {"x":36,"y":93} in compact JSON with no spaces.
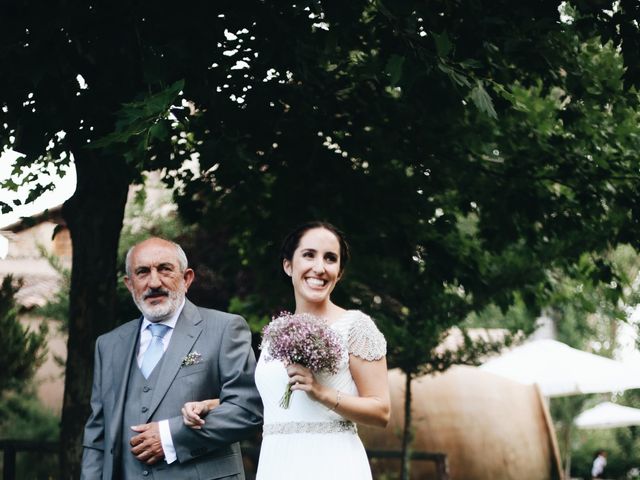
{"x":94,"y":216}
{"x":567,"y":450}
{"x":407,"y":434}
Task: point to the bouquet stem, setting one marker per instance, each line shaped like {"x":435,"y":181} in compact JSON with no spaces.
{"x":286,"y":398}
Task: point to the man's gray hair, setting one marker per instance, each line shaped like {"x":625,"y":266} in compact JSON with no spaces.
{"x":183,"y":263}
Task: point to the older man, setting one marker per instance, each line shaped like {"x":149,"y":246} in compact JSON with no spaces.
{"x":146,"y":369}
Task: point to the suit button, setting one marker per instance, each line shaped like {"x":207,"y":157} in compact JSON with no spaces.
{"x":144,"y":409}
{"x":146,"y":389}
{"x":145,"y":472}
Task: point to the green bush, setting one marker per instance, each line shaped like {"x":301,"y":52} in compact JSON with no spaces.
{"x":622,"y":457}
{"x":21,"y":350}
{"x":23,"y":417}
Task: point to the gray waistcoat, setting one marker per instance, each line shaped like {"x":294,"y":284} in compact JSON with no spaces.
{"x":138,"y":399}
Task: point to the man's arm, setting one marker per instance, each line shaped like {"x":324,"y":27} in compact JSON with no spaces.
{"x":240,"y":409}
{"x":93,"y":443}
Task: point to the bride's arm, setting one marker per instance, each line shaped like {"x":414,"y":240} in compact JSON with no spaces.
{"x":193,"y":413}
{"x":371,"y":406}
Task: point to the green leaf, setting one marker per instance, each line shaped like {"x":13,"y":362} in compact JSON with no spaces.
{"x":459,"y":79}
{"x":159,"y":131}
{"x":443,"y":44}
{"x":482,"y":100}
{"x":394,"y":69}
{"x":10,"y":184}
{"x":137,"y":118}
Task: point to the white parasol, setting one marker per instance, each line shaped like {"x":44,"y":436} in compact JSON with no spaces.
{"x":608,"y":415}
{"x":560,"y":370}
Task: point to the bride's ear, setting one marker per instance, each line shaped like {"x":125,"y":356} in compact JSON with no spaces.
{"x":286,"y":266}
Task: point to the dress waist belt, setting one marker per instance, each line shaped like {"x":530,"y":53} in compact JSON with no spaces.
{"x":338,"y":426}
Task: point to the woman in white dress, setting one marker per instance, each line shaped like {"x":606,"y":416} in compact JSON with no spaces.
{"x":316,"y":437}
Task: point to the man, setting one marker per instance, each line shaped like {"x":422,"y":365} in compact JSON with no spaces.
{"x":146,"y":369}
{"x":599,"y":462}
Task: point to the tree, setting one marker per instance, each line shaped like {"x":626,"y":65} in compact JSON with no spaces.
{"x":453,"y":209}
{"x":374,"y":106}
{"x":73,"y":66}
{"x":21,"y":350}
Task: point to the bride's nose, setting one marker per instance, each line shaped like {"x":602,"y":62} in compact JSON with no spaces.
{"x":318,"y":266}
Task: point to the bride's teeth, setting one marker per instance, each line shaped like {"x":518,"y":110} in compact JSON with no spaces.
{"x":315,"y":281}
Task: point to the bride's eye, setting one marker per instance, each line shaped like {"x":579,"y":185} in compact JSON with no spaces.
{"x":331,"y":257}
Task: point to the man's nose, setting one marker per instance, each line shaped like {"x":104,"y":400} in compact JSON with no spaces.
{"x":154,"y":279}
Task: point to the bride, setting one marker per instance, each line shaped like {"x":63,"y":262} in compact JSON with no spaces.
{"x":316,"y":437}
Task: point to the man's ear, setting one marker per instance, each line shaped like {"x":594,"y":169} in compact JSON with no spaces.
{"x":188,"y":276}
{"x":128,"y":284}
{"x":286,"y":266}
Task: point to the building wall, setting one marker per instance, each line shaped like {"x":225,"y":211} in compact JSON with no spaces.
{"x":489,"y":427}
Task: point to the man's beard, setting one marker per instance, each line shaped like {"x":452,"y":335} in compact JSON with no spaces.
{"x":162,"y":311}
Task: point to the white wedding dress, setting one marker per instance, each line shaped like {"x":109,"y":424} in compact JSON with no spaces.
{"x":308,"y":440}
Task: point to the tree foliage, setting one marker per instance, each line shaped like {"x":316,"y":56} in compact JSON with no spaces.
{"x":450,"y":206}
{"x":21,"y":350}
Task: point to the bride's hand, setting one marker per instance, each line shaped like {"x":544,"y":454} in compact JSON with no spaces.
{"x":301,"y":378}
{"x":193,"y":413}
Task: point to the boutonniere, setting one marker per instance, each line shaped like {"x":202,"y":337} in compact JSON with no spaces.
{"x":191,"y":359}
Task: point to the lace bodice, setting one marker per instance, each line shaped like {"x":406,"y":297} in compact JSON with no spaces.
{"x":362,"y":337}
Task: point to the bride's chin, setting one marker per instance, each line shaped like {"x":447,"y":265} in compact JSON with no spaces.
{"x":317,"y":299}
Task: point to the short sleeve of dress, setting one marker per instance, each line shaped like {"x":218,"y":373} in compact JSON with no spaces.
{"x":365,"y":340}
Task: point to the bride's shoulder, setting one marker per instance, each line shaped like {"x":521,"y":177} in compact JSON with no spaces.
{"x":364,"y":338}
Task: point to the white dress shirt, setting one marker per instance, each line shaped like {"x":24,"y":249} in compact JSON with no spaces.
{"x":145,"y":340}
{"x":598,"y":465}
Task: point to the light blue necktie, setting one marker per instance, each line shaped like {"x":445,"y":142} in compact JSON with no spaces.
{"x":154,"y":353}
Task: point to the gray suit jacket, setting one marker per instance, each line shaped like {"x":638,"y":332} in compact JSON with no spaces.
{"x":225,"y":371}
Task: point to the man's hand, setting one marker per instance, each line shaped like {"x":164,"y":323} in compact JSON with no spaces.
{"x":147,"y":446}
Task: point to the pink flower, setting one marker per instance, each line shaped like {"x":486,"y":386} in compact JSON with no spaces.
{"x":303,"y":339}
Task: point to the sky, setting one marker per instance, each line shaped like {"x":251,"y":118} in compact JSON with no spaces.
{"x":627,"y":337}
{"x":65,"y":187}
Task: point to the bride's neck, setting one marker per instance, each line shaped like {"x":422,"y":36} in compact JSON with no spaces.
{"x":328,"y":310}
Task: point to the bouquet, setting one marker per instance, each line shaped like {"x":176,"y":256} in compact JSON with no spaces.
{"x":304,"y":339}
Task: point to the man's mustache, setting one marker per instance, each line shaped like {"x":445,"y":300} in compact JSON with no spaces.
{"x":155,"y":292}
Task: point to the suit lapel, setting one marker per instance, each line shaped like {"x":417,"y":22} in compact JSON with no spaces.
{"x":121,"y":360}
{"x":185,"y":334}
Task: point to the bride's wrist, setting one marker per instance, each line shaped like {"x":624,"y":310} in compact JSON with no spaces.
{"x":331,"y":398}
{"x":338,"y":400}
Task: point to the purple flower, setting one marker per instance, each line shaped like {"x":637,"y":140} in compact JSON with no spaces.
{"x":304,"y":339}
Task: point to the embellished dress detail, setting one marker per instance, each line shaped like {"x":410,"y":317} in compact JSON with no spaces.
{"x":309,"y":440}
